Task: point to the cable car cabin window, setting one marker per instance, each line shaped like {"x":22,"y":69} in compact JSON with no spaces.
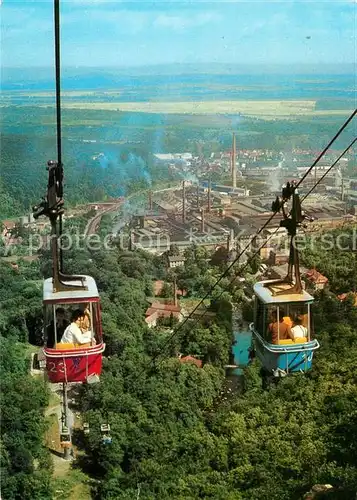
{"x":270,"y":311}
{"x":96,"y":324}
{"x":74,"y":324}
{"x":296,"y":316}
{"x":260,"y":316}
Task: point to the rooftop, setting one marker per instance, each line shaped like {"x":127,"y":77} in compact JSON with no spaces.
{"x":315,"y":276}
{"x":73,"y":296}
{"x":176,"y":258}
{"x":265,"y":295}
{"x":345,"y":296}
{"x":191,"y":359}
{"x":9,"y":224}
{"x":161,"y":306}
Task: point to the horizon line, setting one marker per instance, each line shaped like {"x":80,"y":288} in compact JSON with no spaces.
{"x":290,"y":64}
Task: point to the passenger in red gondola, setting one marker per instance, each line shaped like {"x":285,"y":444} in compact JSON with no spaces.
{"x":85,"y":325}
{"x":61,"y":325}
{"x":279,"y":330}
{"x":73,"y":333}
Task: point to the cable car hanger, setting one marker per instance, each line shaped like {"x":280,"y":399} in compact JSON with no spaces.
{"x":291,"y":222}
{"x":52,"y":204}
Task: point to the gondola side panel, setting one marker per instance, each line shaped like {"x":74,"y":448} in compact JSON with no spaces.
{"x":71,"y":366}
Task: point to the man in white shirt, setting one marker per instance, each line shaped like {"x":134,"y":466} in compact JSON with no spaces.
{"x":298,"y":330}
{"x":73,"y":334}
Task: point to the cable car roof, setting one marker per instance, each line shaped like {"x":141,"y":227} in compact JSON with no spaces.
{"x":265,"y":295}
{"x":73,"y":295}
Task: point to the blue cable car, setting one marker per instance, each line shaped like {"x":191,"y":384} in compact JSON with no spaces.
{"x":282,"y":328}
{"x":285,"y":355}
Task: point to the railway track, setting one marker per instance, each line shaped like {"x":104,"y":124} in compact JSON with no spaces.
{"x":94,"y":222}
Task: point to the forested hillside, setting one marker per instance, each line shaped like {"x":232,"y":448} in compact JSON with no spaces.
{"x":177,"y":431}
{"x":334,"y":254}
{"x":25,"y":463}
{"x":109,"y":153}
{"x":94,"y":168}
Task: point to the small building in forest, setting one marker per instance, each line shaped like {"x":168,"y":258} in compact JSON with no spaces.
{"x":318,"y":280}
{"x":162,"y":310}
{"x":344,"y":296}
{"x":190,"y":359}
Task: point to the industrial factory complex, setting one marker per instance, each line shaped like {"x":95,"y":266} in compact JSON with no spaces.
{"x":213,"y":214}
{"x":222,"y":201}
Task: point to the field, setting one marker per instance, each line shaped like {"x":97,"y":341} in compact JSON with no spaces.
{"x":121,"y":122}
{"x":100,"y":102}
{"x":148,"y":101}
{"x":259,"y":109}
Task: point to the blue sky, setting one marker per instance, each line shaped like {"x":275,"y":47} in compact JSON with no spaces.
{"x":101,"y":33}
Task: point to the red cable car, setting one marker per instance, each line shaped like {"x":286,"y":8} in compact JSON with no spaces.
{"x":71,"y":362}
{"x":65,"y":295}
{"x":73,"y":351}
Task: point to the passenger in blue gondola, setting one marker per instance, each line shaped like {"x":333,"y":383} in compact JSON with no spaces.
{"x":299,"y":330}
{"x":279,"y":330}
{"x":73,"y":333}
{"x":61,"y":325}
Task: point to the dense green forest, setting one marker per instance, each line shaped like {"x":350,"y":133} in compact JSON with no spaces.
{"x":121,"y":171}
{"x":178,"y":431}
{"x":334,"y":254}
{"x":25,"y":464}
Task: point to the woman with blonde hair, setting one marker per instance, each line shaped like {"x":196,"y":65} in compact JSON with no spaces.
{"x":86,"y":323}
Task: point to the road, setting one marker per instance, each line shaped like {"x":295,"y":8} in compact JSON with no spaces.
{"x":58,"y":389}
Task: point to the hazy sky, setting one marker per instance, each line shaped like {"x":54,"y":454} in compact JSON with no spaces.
{"x":102,"y":33}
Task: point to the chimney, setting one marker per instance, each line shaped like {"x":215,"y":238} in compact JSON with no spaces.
{"x":175,"y":293}
{"x":183,"y":203}
{"x":202,"y":220}
{"x":209,"y":197}
{"x":342,"y":190}
{"x":198,"y":196}
{"x":150,"y":200}
{"x":230,"y":240}
{"x":131,"y":241}
{"x":234,"y":170}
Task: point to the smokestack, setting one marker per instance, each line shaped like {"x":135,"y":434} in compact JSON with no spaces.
{"x":202,"y":220}
{"x":209,"y":197}
{"x":183,"y":203}
{"x":342,"y":190}
{"x":198,"y":196}
{"x":175,"y":292}
{"x":234,"y":170}
{"x":131,"y":241}
{"x":150,"y":200}
{"x":230,"y":239}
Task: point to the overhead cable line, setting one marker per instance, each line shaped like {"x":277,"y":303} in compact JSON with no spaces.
{"x":58,"y":112}
{"x":353,"y":114}
{"x":58,"y":80}
{"x":224,"y":274}
{"x":329,"y":170}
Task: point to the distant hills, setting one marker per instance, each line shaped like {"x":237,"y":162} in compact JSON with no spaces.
{"x":113,"y":77}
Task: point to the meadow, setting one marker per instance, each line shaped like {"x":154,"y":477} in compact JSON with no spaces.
{"x":268,"y":110}
{"x":136,"y":117}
